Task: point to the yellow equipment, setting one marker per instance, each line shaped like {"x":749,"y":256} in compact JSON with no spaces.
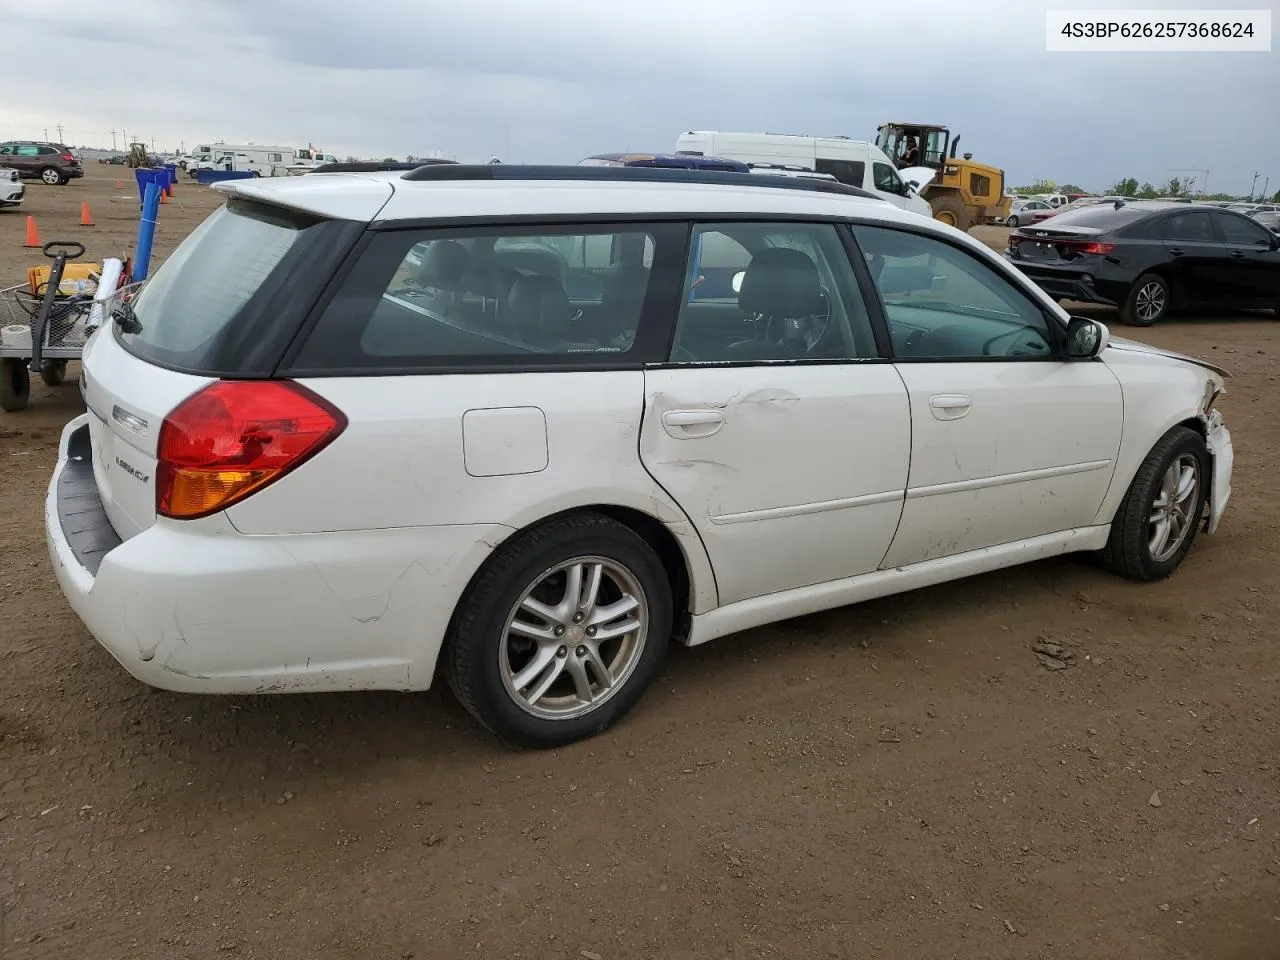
{"x":76,"y":278}
{"x":963,"y":193}
{"x":137,"y":156}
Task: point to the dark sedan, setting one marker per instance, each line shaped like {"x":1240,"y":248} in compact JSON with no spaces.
{"x":1148,"y":257}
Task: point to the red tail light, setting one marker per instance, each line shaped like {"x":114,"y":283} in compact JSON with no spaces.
{"x":70,"y":158}
{"x":233,"y":438}
{"x":1101,"y":249}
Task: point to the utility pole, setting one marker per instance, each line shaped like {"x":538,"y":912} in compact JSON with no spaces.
{"x":153,"y":144}
{"x":1265,"y":185}
{"x":113,"y":139}
{"x":46,"y":134}
{"x":1254,"y":184}
{"x":59,"y":129}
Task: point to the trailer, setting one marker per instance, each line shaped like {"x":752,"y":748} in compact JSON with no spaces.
{"x":260,"y":159}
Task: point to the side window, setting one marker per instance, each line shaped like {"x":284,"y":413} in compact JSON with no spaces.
{"x":886,"y":178}
{"x":1242,"y":232}
{"x":770,"y":291}
{"x":505,"y":296}
{"x":6,"y":151}
{"x":28,"y":151}
{"x":849,"y":172}
{"x":1190,"y":226}
{"x":943,"y":303}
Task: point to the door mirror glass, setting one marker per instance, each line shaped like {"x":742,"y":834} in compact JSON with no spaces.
{"x":736,"y":282}
{"x":1086,"y":338}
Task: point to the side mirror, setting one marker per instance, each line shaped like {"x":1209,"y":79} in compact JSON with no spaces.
{"x":1086,"y":338}
{"x":736,"y":282}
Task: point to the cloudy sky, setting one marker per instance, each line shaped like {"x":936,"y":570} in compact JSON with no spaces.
{"x":558,"y":80}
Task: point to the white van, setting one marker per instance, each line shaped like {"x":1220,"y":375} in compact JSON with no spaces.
{"x":854,"y":162}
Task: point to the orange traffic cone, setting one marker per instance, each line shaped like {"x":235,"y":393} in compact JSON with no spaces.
{"x":119,"y":184}
{"x":86,"y":219}
{"x":164,"y":196}
{"x":33,"y":235}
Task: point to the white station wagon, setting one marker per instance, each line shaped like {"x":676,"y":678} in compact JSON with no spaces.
{"x":524,"y":426}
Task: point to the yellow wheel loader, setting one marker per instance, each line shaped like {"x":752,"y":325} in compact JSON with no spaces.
{"x":961,"y":193}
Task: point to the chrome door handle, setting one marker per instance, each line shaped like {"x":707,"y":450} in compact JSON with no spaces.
{"x":950,"y":406}
{"x":689,"y":424}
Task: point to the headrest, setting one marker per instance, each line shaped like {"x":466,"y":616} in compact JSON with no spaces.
{"x":443,"y":265}
{"x":539,"y":309}
{"x":781,"y":282}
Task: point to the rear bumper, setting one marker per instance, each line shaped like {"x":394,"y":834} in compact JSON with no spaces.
{"x":1064,"y":283}
{"x":199,"y":608}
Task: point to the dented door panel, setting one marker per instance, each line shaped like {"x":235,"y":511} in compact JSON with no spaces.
{"x":793,"y":474}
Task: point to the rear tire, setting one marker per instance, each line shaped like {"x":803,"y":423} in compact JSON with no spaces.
{"x":523,"y":674}
{"x":53,"y":372}
{"x":950,"y":209}
{"x":1147,"y":302}
{"x":1166,"y":499}
{"x":51,"y":176}
{"x":15,"y":384}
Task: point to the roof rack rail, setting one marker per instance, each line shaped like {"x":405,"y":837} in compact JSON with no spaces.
{"x":374,"y":166}
{"x":464,"y":171}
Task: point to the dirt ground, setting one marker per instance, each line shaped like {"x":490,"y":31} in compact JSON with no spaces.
{"x":902,"y":779}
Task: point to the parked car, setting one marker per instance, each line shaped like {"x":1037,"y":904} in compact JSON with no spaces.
{"x":54,"y":163}
{"x":342,"y":471}
{"x":115,"y":159}
{"x":1024,"y":210}
{"x":1269,"y":219}
{"x":11,"y":188}
{"x":1150,"y":257}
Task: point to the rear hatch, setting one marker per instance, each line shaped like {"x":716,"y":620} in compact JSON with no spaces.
{"x":224,"y":305}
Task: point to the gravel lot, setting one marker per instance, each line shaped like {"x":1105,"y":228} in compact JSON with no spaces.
{"x":902,"y":779}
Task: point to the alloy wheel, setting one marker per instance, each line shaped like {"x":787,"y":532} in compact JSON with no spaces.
{"x":1171,"y":516}
{"x":574,"y":638}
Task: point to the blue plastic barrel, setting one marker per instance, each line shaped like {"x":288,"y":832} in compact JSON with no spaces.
{"x":144,"y":176}
{"x":172,"y":170}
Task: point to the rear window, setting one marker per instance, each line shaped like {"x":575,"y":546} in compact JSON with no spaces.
{"x":577,"y":294}
{"x":1101,"y":216}
{"x":240,"y":259}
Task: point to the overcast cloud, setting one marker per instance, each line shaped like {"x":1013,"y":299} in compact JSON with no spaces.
{"x":558,"y":80}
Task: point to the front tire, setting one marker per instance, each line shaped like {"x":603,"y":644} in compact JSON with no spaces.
{"x":1148,"y":301}
{"x":53,"y":372}
{"x":1013,"y":220}
{"x":15,"y":384}
{"x":1158,"y":520}
{"x":561,"y":633}
{"x":51,"y":176}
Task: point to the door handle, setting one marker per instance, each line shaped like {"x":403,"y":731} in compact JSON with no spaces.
{"x":1176,"y":251}
{"x":1237,"y":255}
{"x":950,"y":406}
{"x":690,"y":424}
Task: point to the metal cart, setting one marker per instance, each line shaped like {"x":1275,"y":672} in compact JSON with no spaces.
{"x":41,"y":330}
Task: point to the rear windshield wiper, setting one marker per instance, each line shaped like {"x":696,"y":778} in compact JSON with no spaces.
{"x":126,"y":319}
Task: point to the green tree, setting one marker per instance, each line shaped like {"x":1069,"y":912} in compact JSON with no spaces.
{"x":1276,"y":198}
{"x":1147,"y":191}
{"x":1071,"y":188}
{"x":1174,"y":188}
{"x":1128,"y":187}
{"x":1037,"y":186}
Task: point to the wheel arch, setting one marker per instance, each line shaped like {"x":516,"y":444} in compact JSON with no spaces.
{"x":683,"y":556}
{"x":1132,"y":455}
